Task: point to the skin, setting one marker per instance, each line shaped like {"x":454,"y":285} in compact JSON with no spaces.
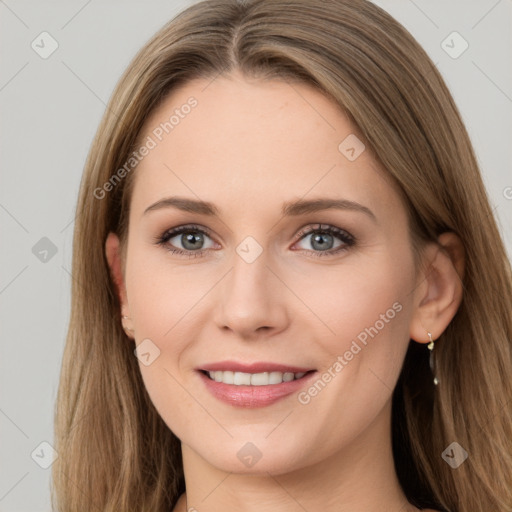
{"x":247,"y":147}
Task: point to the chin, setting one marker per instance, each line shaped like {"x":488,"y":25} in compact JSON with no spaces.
{"x":253,"y":455}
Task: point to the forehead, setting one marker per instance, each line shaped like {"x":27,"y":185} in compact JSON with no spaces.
{"x":240,"y":142}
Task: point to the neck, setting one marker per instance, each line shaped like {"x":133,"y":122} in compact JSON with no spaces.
{"x":359,"y":477}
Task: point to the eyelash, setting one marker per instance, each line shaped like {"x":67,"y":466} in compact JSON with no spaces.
{"x":347,"y":239}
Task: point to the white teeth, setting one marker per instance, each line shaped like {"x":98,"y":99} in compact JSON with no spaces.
{"x":254,"y":379}
{"x":259,"y":379}
{"x":275,"y":378}
{"x":227,"y":377}
{"x":242,"y":379}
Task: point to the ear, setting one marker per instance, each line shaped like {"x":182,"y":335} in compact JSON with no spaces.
{"x":113,"y":255}
{"x":439,"y":293}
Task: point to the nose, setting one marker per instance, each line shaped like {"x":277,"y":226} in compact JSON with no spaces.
{"x":252,"y":300}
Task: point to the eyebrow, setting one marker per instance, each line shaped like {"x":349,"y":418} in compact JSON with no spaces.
{"x":289,"y":209}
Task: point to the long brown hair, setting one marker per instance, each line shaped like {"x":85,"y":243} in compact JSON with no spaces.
{"x":115,"y":452}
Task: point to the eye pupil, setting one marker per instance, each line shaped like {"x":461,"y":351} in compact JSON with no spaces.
{"x":190,"y":240}
{"x":320,"y":238}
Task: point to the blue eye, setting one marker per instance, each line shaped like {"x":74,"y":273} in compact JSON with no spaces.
{"x":190,"y":237}
{"x":325,"y":240}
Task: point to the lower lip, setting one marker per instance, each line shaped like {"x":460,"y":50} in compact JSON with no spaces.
{"x":253,"y":396}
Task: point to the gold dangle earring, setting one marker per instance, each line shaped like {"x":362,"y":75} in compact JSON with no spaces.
{"x":431,"y":359}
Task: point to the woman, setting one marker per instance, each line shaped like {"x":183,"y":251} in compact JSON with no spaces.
{"x":291,"y":292}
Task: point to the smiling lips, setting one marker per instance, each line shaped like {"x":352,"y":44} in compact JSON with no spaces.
{"x":253,"y":385}
{"x":255,"y":374}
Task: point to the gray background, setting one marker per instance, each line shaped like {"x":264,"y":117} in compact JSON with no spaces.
{"x":50,"y":109}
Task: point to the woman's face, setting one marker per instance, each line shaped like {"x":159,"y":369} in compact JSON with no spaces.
{"x":258,"y":282}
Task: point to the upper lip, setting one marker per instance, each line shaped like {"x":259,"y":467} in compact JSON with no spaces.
{"x":257,"y":367}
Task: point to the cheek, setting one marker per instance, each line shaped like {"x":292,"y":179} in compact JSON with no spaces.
{"x":365,"y":311}
{"x":166,"y":303}
{"x":160,"y":294}
{"x":368,"y":309}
